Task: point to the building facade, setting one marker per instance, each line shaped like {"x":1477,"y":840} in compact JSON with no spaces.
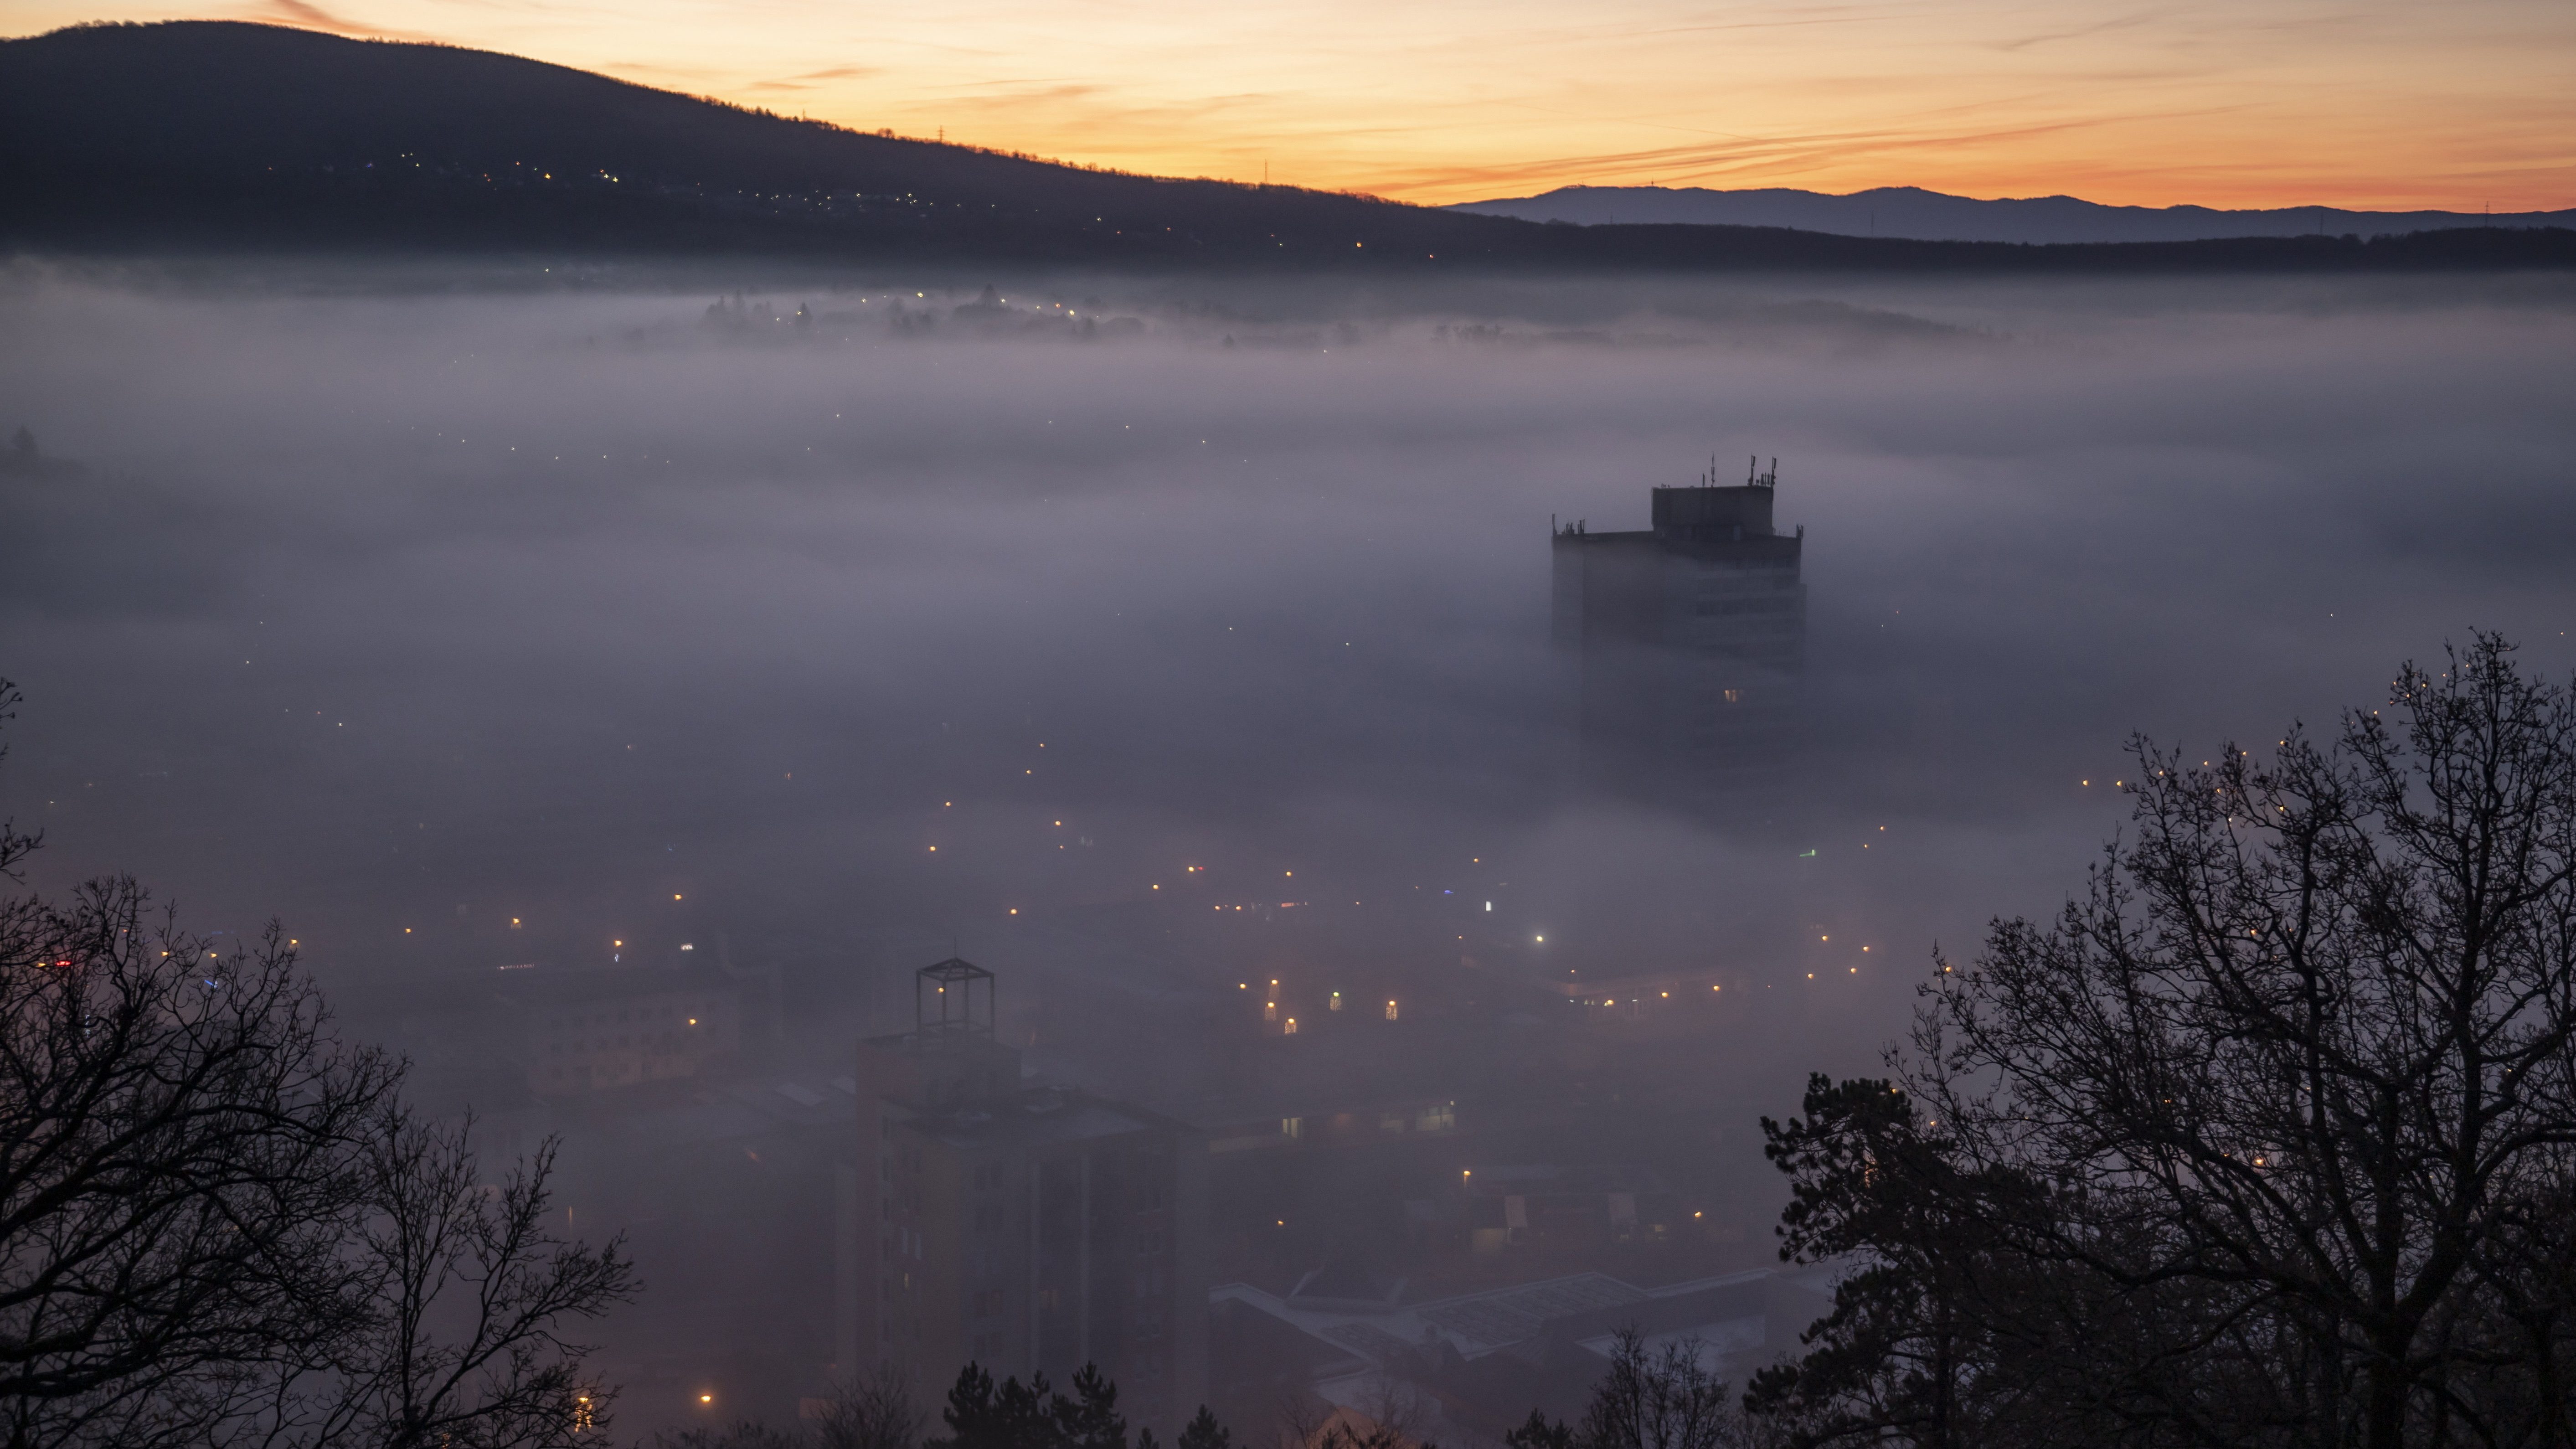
{"x":1023,"y":1228}
{"x":1684,"y":641}
{"x":597,"y":1031}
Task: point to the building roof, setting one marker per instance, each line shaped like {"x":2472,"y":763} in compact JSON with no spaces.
{"x":1488,"y":1357}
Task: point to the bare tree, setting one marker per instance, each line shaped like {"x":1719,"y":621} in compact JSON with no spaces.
{"x":467,"y":1300}
{"x":175,"y":1178}
{"x":1660,"y":1399}
{"x":743,"y":1434}
{"x":879,"y":1411}
{"x":1307,"y":1421}
{"x":2298,"y":1080}
{"x":1651,"y":1398}
{"x":220,"y":1224}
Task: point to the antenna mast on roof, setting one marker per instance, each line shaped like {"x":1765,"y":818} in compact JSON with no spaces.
{"x":951,"y":998}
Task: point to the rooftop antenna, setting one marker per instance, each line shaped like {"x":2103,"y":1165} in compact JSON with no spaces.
{"x":951,"y":999}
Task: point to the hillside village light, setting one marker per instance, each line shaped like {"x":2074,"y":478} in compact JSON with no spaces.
{"x":1390,"y":1011}
{"x":1292,"y":1027}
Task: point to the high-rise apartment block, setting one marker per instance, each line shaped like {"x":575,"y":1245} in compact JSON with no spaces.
{"x":1686,"y":639}
{"x":1019,"y":1227}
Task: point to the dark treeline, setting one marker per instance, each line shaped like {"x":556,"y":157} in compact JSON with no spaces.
{"x":217,"y":136}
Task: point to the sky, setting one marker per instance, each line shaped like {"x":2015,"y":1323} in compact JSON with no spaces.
{"x":2258,"y":104}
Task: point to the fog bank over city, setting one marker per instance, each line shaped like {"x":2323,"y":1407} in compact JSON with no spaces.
{"x":369,"y":609}
{"x":1147,"y":641}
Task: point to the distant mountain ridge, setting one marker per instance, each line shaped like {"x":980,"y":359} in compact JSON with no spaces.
{"x":1913,"y":214}
{"x":226,"y":138}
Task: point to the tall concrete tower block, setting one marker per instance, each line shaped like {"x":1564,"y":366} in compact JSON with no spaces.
{"x":1684,"y":641}
{"x":1020,"y":1227}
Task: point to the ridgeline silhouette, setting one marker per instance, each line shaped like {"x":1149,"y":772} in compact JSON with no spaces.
{"x":198,"y":137}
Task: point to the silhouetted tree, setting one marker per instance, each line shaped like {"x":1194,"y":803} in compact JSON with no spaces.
{"x":1090,"y":1419}
{"x":1012,"y":1415}
{"x":1648,"y":1398}
{"x":742,"y":1434}
{"x":1541,"y":1432}
{"x":469,"y":1296}
{"x":2289,"y":1097}
{"x":219,"y":1223}
{"x":1659,"y":1399}
{"x":1921,"y":1345}
{"x":876,"y":1412}
{"x":1309,"y":1421}
{"x":1204,"y":1432}
{"x":177,"y":1170}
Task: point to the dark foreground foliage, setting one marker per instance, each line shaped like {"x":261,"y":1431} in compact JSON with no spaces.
{"x":2268,"y":1140}
{"x":221,"y":1224}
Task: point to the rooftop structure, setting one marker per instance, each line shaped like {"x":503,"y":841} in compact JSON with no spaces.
{"x":1685,"y":639}
{"x":952,"y":998}
{"x":1020,"y":1227}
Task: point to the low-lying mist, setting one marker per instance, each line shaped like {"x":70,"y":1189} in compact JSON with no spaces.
{"x":570,"y":623}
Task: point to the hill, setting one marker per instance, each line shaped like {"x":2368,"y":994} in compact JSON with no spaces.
{"x":1915,"y":214}
{"x":210,"y":136}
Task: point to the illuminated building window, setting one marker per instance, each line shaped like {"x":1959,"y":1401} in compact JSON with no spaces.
{"x":1292,"y":1128}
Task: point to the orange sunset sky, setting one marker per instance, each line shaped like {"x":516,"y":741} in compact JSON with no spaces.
{"x":2460,"y":104}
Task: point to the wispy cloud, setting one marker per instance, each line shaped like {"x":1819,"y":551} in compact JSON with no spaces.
{"x":304,"y":15}
{"x":809,"y":80}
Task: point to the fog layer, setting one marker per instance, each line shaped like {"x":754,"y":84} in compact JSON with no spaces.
{"x":567,"y":626}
